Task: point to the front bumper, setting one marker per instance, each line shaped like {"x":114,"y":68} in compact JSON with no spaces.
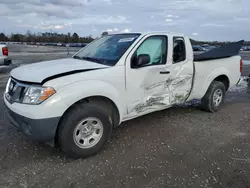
{"x":41,"y":130}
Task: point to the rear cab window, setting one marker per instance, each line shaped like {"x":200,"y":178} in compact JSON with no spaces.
{"x":179,"y":49}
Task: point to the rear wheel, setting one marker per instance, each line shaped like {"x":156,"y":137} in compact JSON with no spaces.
{"x":85,"y":129}
{"x":214,"y":97}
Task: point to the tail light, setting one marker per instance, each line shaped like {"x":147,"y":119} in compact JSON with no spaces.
{"x":5,"y":51}
{"x":241,"y":66}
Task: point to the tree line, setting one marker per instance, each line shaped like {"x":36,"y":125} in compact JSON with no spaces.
{"x":45,"y":37}
{"x":72,"y":38}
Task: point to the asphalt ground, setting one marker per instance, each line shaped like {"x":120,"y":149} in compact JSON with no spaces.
{"x":178,"y":147}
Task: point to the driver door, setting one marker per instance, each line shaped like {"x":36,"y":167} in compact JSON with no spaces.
{"x":146,"y":89}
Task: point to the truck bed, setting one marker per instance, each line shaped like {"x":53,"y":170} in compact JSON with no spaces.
{"x":205,"y":72}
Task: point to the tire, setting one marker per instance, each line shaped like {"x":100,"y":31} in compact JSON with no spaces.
{"x":96,"y":110}
{"x":208,"y":103}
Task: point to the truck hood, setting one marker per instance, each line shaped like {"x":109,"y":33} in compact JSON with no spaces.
{"x":46,"y":70}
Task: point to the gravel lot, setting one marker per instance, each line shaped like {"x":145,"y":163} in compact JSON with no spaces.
{"x":25,"y":54}
{"x":177,"y":147}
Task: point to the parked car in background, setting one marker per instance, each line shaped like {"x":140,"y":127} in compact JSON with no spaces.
{"x":51,"y":44}
{"x":211,"y":47}
{"x":73,"y":45}
{"x":198,"y":48}
{"x":245,"y":48}
{"x":76,"y":44}
{"x":4,"y":55}
{"x":205,"y":45}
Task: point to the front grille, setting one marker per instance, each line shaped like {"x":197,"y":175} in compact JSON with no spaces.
{"x":15,"y":91}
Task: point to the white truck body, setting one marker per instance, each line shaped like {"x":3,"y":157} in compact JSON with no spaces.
{"x":133,"y":91}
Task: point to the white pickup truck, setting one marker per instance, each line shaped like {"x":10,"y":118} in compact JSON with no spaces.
{"x":4,"y":53}
{"x":76,"y":102}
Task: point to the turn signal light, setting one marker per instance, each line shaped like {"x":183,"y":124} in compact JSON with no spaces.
{"x":47,"y":92}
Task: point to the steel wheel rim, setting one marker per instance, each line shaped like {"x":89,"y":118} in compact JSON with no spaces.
{"x":88,"y":132}
{"x":217,"y":97}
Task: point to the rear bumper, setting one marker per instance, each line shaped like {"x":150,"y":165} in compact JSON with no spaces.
{"x":4,"y":60}
{"x":7,"y":61}
{"x":41,"y":130}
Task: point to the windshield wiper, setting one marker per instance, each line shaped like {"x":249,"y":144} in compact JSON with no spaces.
{"x":96,"y":60}
{"x":92,"y":59}
{"x":76,"y":57}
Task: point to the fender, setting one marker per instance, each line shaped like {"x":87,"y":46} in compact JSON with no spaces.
{"x":214,"y":74}
{"x":73,"y":93}
{"x":200,"y":89}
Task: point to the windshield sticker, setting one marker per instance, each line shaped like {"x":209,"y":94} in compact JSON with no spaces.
{"x":126,"y":40}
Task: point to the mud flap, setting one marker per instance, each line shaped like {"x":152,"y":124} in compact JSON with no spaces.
{"x":243,"y":79}
{"x":240,"y":81}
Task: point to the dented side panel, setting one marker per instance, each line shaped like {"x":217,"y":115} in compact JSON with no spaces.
{"x":180,"y":87}
{"x":182,"y":74}
{"x":150,"y":91}
{"x":147,"y":90}
{"x":162,"y":92}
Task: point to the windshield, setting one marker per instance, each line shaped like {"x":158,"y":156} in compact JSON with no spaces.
{"x":108,"y":49}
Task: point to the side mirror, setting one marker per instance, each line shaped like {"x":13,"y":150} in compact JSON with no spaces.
{"x":140,"y":60}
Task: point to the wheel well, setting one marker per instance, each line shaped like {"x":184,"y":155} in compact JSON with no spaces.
{"x":115,"y":111}
{"x":224,"y":79}
{"x":109,"y":102}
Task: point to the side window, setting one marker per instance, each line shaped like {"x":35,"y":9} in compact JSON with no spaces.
{"x":179,"y":51}
{"x":156,"y":48}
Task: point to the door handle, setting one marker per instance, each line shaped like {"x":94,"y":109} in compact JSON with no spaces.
{"x":165,"y":72}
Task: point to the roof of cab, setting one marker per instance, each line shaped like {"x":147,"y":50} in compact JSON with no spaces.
{"x":153,"y":33}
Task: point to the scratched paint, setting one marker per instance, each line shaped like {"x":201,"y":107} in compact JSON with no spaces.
{"x":178,"y":95}
{"x":161,"y":94}
{"x":171,"y":82}
{"x":179,"y":98}
{"x":155,"y":85}
{"x":170,"y":97}
{"x":181,"y":80}
{"x":153,"y":102}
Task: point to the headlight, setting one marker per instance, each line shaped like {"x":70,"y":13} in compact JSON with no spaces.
{"x":36,"y":94}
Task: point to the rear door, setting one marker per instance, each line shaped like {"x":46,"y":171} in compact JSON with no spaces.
{"x":181,"y":76}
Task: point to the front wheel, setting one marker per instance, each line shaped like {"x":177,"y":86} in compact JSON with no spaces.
{"x":85,"y":129}
{"x":214,"y":97}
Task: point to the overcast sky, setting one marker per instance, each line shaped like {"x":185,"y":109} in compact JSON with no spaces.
{"x":199,"y":19}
